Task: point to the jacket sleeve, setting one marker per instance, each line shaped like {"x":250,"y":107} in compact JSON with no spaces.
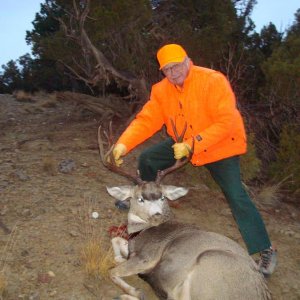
{"x":221,"y":107}
{"x":147,"y":122}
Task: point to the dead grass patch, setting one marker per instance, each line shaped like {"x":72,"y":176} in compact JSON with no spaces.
{"x":3,"y":285}
{"x":97,"y":259}
{"x":49,"y":166}
{"x":268,"y":196}
{"x":50,"y":100}
{"x":4,"y":257}
{"x":33,"y":109}
{"x":97,"y":254}
{"x":23,"y":96}
{"x":49,"y":104}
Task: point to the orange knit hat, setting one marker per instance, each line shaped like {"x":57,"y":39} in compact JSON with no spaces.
{"x":171,"y":53}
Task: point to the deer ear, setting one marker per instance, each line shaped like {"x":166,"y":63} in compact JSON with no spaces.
{"x":173,"y":192}
{"x":120,"y":192}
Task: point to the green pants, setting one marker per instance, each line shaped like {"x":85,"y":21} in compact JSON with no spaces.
{"x":226,"y":173}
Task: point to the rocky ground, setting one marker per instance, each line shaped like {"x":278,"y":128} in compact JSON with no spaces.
{"x":51,"y":180}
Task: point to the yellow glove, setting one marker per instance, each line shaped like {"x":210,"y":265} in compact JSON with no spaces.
{"x":181,"y":150}
{"x":118,"y":151}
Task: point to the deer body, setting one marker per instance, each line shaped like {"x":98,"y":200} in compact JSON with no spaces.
{"x":179,"y":261}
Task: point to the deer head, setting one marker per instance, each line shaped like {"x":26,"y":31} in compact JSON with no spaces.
{"x":148,"y":200}
{"x":148,"y":203}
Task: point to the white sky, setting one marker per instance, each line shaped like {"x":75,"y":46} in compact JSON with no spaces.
{"x":279,"y":12}
{"x":16,"y":17}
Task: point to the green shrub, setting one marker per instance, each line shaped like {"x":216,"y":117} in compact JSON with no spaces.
{"x":287,"y":165}
{"x":250,"y":167}
{"x":250,"y":163}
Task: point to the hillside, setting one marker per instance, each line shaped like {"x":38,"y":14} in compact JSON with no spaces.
{"x":51,"y":180}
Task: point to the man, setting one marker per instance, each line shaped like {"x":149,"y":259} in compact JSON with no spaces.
{"x":203,"y":99}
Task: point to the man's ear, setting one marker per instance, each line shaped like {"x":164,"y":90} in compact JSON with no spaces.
{"x":173,"y":192}
{"x":120,"y":192}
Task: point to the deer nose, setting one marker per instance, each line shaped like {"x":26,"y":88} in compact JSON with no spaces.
{"x":155,"y":210}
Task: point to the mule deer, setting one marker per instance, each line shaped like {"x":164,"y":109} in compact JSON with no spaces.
{"x":179,"y":261}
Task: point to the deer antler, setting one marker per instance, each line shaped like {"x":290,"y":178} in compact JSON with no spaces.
{"x":178,"y":138}
{"x":179,"y":162}
{"x":107,"y":158}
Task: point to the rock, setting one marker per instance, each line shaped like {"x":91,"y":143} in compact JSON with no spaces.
{"x":95,"y":215}
{"x":52,"y":293}
{"x":51,"y":274}
{"x":73,"y":211}
{"x":4,"y":209}
{"x":66,"y":166}
{"x":34,"y":296}
{"x":44,"y":278}
{"x":109,"y":213}
{"x":22,"y":175}
{"x":25,"y":252}
{"x":26,"y":212}
{"x":4,"y":184}
{"x":74,"y":233}
{"x":294,"y":215}
{"x":288,"y":232}
{"x":226,"y":212}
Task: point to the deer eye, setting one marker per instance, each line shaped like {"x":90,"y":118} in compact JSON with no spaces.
{"x":140,"y":199}
{"x":162,"y":198}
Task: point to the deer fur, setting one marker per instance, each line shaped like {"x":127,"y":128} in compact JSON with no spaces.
{"x":179,"y":261}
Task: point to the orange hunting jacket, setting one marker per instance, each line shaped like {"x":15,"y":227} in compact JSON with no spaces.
{"x":206,"y":102}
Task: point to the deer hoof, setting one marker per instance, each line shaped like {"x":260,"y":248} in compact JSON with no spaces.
{"x":119,"y":259}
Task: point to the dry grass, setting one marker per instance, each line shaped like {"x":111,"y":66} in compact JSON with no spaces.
{"x":97,"y":259}
{"x":49,"y":166}
{"x":23,"y":96}
{"x":5,"y":254}
{"x":268,"y":196}
{"x":50,"y":100}
{"x":41,"y":94}
{"x":97,"y":253}
{"x":49,"y":104}
{"x":3,"y":285}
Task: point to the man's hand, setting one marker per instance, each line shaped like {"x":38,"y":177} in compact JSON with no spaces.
{"x":118,"y":151}
{"x":181,"y":150}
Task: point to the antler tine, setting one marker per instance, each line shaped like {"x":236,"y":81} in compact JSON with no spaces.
{"x":107,"y":158}
{"x":178,"y":138}
{"x":179,"y":162}
{"x":104,"y":156}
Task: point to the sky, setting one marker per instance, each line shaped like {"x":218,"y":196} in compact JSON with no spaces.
{"x":16,"y":17}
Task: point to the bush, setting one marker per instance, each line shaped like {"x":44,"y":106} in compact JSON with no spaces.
{"x":287,"y":165}
{"x":250,"y":163}
{"x":250,"y":168}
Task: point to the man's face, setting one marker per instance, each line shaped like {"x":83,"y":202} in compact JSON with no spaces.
{"x":177,"y":72}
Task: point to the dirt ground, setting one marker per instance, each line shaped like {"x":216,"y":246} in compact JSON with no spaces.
{"x":49,"y":208}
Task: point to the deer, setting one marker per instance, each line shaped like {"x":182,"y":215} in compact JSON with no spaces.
{"x":178,"y":260}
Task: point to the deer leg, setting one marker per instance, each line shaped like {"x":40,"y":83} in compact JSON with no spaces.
{"x":120,"y":247}
{"x":132,"y":292}
{"x":134,"y":265}
{"x":183,"y":290}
